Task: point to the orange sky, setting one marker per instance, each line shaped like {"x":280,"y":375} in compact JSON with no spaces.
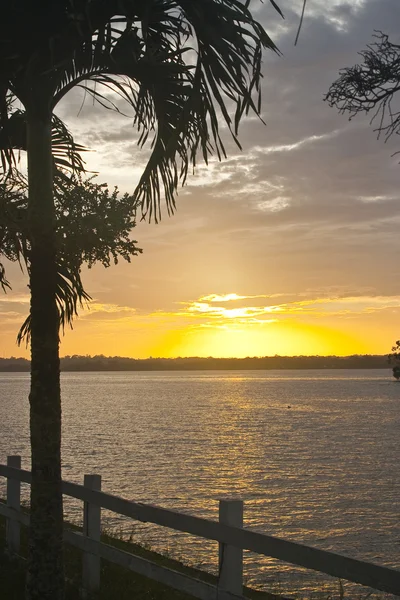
{"x":289,"y":247}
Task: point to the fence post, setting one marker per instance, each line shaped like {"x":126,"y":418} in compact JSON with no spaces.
{"x":91,"y":529}
{"x":13,"y":501}
{"x":231,"y":558}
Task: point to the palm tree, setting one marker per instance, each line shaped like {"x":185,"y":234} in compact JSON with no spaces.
{"x":182,"y":65}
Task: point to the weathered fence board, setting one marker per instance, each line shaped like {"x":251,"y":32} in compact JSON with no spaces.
{"x":180,"y":581}
{"x":13,"y":473}
{"x":13,"y":515}
{"x":231,"y":557}
{"x":92,"y":530}
{"x":368,"y":574}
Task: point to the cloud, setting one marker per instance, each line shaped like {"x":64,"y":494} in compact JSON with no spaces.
{"x":11,"y":317}
{"x":15,"y":298}
{"x":309,"y":211}
{"x":95,"y":309}
{"x":340,"y":306}
{"x":298,"y":145}
{"x":226,"y":297}
{"x":229,"y":313}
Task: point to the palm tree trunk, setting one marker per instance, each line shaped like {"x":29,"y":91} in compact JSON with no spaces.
{"x":45,"y":559}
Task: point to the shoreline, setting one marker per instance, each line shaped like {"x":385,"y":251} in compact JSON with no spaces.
{"x":100,"y":363}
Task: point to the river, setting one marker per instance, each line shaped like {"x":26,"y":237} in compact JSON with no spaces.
{"x":313,"y":454}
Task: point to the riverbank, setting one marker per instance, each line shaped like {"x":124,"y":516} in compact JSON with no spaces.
{"x":257,"y":363}
{"x":116,"y":582}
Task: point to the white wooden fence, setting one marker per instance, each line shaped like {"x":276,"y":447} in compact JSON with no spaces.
{"x":228,"y":531}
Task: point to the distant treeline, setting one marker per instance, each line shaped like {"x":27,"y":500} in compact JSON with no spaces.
{"x":118,"y":363}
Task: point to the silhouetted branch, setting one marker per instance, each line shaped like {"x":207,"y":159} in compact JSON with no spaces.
{"x":371,"y":86}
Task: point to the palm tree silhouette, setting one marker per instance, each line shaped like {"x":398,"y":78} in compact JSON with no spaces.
{"x":183,"y":66}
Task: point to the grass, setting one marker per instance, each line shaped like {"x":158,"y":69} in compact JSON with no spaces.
{"x":117,"y":583}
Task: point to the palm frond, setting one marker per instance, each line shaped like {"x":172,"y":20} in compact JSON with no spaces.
{"x":187,"y":68}
{"x":93,"y":226}
{"x":7,"y":155}
{"x":301,"y":22}
{"x":66,"y":152}
{"x":182,"y":66}
{"x":70,"y":295}
{"x":4,"y":283}
{"x":13,"y":229}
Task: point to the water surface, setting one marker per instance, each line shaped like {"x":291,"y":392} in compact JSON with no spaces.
{"x":314,"y":454}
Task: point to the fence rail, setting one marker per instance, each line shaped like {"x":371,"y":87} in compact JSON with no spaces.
{"x":233,"y":538}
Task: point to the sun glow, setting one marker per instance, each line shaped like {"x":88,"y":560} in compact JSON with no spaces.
{"x":276,"y":338}
{"x":231,"y":325}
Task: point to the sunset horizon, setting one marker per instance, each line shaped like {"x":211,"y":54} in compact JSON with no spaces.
{"x":286,"y":247}
{"x":214,"y":324}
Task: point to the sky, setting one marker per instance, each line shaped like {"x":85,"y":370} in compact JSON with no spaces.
{"x":289,"y":247}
